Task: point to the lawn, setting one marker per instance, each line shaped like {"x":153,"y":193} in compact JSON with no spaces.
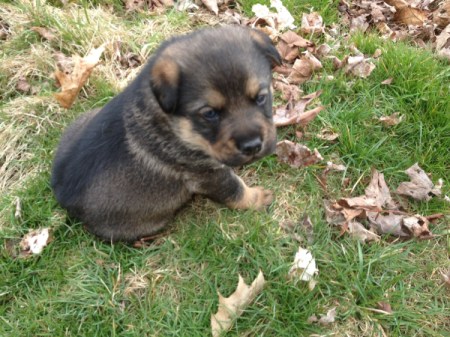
{"x":80,"y":286}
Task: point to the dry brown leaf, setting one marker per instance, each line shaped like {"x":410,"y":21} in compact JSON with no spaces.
{"x":378,"y":190}
{"x":316,"y":64}
{"x":377,"y":12}
{"x":34,"y":241}
{"x":410,"y":16}
{"x":420,"y":187}
{"x":46,"y":33}
{"x":391,"y":120}
{"x":385,"y":307}
{"x":443,"y":43}
{"x":358,"y":231}
{"x":323,"y":178}
{"x":296,"y":155}
{"x":338,"y":64}
{"x":360,"y":203}
{"x":377,"y":53}
{"x":289,"y":92}
{"x":302,"y":71}
{"x":71,"y":83}
{"x":446,"y":278}
{"x":441,"y":16}
{"x":359,"y":23}
{"x":387,"y":81}
{"x":328,"y":134}
{"x":297,"y":113}
{"x":418,"y":226}
{"x":333,"y":214}
{"x":387,"y":224}
{"x":328,"y":318}
{"x":133,"y":5}
{"x":289,"y":45}
{"x":233,"y":306}
{"x":359,"y":66}
{"x":322,"y":50}
{"x":312,"y":23}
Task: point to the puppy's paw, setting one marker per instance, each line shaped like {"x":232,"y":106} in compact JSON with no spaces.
{"x":253,"y":198}
{"x":262,"y":198}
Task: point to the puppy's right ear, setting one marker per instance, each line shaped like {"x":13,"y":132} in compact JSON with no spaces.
{"x":264,"y":43}
{"x":164,"y":81}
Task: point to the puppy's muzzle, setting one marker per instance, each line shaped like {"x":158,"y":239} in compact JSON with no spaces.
{"x":250,"y":147}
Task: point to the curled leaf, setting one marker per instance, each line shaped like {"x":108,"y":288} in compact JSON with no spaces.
{"x":71,"y":83}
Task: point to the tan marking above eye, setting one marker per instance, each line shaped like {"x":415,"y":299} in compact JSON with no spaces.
{"x":215,"y":99}
{"x":252,"y":87}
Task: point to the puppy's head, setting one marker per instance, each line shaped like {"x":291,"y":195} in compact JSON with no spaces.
{"x":216,"y":86}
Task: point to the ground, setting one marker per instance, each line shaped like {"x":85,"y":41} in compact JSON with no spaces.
{"x":79,"y":286}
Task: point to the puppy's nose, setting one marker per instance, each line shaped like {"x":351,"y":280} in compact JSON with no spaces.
{"x":250,"y":147}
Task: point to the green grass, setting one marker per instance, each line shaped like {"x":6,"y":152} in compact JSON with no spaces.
{"x":80,"y":286}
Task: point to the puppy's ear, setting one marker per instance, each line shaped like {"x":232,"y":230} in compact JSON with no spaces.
{"x":164,"y":81}
{"x":264,"y":43}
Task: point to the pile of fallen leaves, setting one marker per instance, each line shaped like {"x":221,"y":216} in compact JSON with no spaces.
{"x":376,"y":213}
{"x":425,"y":22}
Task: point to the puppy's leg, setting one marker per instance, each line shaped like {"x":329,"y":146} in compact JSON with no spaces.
{"x":226,"y":187}
{"x":250,"y":197}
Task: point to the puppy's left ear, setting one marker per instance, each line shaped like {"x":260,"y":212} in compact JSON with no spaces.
{"x":264,"y":43}
{"x":165,"y":81}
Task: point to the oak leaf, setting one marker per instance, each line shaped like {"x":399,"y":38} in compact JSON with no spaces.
{"x":233,"y":306}
{"x":72,"y":82}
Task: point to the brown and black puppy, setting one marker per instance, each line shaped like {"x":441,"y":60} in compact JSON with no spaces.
{"x":202,"y":104}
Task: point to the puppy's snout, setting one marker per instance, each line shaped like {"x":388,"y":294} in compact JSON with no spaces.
{"x":250,"y":147}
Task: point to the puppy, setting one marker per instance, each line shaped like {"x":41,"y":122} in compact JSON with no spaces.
{"x":201,"y":105}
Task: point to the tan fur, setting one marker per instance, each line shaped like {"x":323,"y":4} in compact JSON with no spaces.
{"x":252,"y":198}
{"x":252,"y":87}
{"x":215,"y":99}
{"x":165,"y":71}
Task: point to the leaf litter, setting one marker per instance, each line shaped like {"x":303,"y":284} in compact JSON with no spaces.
{"x":420,"y":21}
{"x":376,"y":213}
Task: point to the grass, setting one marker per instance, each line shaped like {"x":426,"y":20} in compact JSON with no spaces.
{"x":79,"y":286}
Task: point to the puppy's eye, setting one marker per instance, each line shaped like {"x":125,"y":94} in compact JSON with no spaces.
{"x":210,"y":114}
{"x":261,"y":99}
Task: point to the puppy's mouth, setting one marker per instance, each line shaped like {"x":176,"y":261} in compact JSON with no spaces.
{"x":242,"y":158}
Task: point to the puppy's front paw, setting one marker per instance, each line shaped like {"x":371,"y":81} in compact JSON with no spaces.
{"x":262,"y":198}
{"x":253,"y":197}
